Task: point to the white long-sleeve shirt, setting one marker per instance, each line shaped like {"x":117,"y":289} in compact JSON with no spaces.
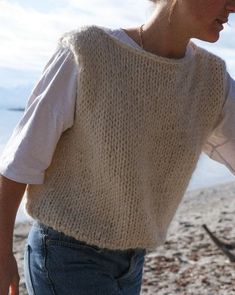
{"x":50,"y":111}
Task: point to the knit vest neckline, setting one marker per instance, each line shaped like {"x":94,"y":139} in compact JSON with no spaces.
{"x":144,"y":53}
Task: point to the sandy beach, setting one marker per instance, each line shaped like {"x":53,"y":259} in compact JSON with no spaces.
{"x":189,"y":263}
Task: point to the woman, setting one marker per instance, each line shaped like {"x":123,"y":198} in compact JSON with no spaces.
{"x":110,"y":138}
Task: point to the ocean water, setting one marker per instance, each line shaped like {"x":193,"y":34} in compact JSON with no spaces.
{"x":207,"y":173}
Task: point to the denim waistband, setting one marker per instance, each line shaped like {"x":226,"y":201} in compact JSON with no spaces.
{"x":49,"y":230}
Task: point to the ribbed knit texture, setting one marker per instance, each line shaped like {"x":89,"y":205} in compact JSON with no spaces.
{"x":119,"y":174}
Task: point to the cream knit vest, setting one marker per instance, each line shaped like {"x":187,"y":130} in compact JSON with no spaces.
{"x":118,"y":175}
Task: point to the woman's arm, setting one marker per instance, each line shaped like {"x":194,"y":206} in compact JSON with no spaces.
{"x":11,"y":194}
{"x":220,"y":146}
{"x":28,"y":153}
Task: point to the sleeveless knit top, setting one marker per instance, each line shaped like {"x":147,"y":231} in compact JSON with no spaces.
{"x":118,"y":175}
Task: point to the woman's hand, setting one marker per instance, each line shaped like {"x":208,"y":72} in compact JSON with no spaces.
{"x":9,"y":275}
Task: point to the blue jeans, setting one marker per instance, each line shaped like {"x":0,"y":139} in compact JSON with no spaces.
{"x":57,"y":264}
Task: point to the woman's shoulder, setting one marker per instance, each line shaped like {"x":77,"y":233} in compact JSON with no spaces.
{"x":203,"y":53}
{"x":73,"y":36}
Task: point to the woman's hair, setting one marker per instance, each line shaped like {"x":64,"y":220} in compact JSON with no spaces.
{"x":173,"y":3}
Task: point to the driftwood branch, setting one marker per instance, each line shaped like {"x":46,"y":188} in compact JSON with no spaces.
{"x":223,"y":246}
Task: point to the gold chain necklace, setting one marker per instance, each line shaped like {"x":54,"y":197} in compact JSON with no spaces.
{"x":141,"y":36}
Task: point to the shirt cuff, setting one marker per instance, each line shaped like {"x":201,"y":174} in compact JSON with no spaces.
{"x":21,"y":178}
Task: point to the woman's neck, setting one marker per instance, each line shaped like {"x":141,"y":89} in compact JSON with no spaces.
{"x":161,"y":36}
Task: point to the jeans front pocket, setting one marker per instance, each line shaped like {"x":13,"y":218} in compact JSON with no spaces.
{"x":27,"y":271}
{"x":78,"y":268}
{"x":131,"y":279}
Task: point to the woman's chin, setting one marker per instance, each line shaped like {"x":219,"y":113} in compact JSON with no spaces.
{"x":213,"y":40}
{"x":210,"y":38}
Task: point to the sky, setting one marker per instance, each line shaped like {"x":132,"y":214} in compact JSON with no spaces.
{"x":29,"y":31}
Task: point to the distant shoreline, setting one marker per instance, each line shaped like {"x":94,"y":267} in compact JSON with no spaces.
{"x":12,"y":109}
{"x":16,"y":109}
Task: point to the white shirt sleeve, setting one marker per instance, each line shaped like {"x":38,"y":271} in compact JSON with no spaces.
{"x":220,"y":146}
{"x":49,"y":112}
